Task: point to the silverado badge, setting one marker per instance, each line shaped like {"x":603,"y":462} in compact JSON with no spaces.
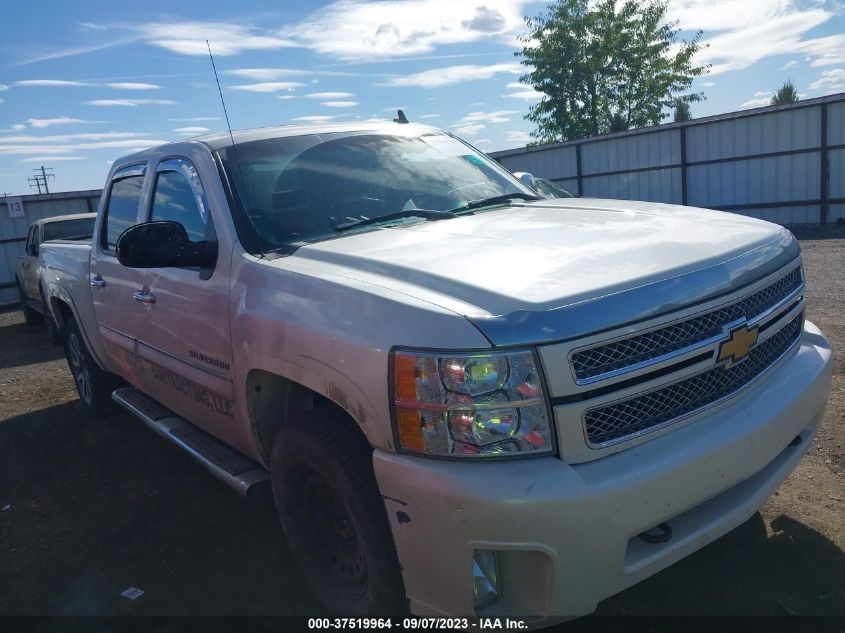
{"x":736,"y":347}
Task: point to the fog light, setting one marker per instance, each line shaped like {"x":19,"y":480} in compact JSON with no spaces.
{"x":485,"y":578}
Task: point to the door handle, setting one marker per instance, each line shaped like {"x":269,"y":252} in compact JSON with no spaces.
{"x":98,"y":281}
{"x":144,"y":296}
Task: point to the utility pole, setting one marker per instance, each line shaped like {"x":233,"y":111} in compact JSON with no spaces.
{"x":40,"y":179}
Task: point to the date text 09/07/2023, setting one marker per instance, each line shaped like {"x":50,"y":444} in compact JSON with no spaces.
{"x":417,"y":623}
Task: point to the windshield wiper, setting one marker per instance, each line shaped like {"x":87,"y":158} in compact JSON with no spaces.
{"x":428,"y":214}
{"x":486,"y":202}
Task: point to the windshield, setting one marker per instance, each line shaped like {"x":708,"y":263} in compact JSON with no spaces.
{"x":300,"y":189}
{"x":550,"y":190}
{"x":67,"y":229}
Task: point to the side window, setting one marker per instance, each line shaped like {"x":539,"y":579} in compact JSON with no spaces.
{"x":174,"y":200}
{"x":29,"y":240}
{"x":122,"y":208}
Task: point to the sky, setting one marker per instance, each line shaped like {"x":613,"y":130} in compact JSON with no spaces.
{"x":83,"y":83}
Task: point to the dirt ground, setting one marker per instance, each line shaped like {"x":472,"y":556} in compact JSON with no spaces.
{"x":90,"y":508}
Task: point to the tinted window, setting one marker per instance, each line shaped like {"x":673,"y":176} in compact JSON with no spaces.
{"x":122,"y":209}
{"x":69,"y":229}
{"x":174,"y":200}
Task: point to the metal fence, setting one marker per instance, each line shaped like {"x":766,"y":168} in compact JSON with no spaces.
{"x":13,"y":229}
{"x":785,"y":164}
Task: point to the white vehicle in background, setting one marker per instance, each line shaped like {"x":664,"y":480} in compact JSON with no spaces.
{"x":79,"y":226}
{"x":470,"y":400}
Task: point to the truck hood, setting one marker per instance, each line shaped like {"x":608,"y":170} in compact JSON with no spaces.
{"x":518,"y":268}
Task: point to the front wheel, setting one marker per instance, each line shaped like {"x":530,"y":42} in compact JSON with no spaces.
{"x":93,"y":384}
{"x":333,"y":515}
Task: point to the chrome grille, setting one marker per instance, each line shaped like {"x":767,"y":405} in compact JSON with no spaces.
{"x":625,"y":353}
{"x":609,"y":423}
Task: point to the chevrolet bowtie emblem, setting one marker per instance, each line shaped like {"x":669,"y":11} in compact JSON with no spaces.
{"x":736,"y":347}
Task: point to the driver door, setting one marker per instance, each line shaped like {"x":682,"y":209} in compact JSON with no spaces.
{"x":184,"y":328}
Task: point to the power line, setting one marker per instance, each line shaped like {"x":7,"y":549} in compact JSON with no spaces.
{"x":41,"y":177}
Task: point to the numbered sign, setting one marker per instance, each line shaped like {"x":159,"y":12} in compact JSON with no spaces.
{"x":15,"y":206}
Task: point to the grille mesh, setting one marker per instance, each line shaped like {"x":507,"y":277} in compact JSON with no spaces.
{"x":621,"y":354}
{"x":621,"y":419}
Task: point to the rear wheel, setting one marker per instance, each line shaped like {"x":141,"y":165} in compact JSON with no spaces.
{"x":32,"y":317}
{"x":333,"y":515}
{"x":92,"y":383}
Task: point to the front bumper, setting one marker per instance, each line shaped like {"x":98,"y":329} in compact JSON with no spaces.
{"x":567,"y":534}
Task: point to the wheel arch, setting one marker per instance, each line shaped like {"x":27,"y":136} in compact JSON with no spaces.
{"x":273,"y":400}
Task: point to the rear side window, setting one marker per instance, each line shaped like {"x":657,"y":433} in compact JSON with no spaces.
{"x":122,"y":209}
{"x":174,"y":200}
{"x":69,"y":229}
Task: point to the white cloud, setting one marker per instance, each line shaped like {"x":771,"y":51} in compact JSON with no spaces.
{"x":129,"y":102}
{"x":482,"y":141}
{"x":189,"y":38}
{"x":429,"y":116}
{"x":358,"y":28}
{"x":49,"y":82}
{"x":790,"y":64}
{"x":194,"y":129}
{"x":41,"y":123}
{"x":761,"y":98}
{"x":523,"y":91}
{"x":470,"y":129}
{"x":286,"y":97}
{"x":269,"y":86}
{"x":339,"y":104}
{"x":38,"y":159}
{"x":3,"y":87}
{"x":743,"y":32}
{"x":128,"y":85}
{"x":437,"y":77}
{"x":329,"y":95}
{"x":500,"y":116}
{"x":265,"y":74}
{"x":198,"y":118}
{"x":708,"y":84}
{"x":316,"y":118}
{"x":18,"y":126}
{"x":518,"y":137}
{"x":830,"y":81}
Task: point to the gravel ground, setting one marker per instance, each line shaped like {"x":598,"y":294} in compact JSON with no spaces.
{"x":90,"y":508}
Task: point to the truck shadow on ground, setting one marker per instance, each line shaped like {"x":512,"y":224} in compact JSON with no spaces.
{"x":97,"y":506}
{"x":31,"y":346}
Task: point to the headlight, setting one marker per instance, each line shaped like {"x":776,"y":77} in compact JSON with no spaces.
{"x":474,"y":404}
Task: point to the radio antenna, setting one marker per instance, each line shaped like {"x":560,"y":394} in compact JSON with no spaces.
{"x":231,"y":136}
{"x":223,"y":101}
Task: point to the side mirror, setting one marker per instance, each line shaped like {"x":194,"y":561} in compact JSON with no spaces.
{"x":163,"y":245}
{"x":526,"y":178}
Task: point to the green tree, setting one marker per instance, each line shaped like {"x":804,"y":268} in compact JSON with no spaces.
{"x":594,"y":59}
{"x":682,"y":111}
{"x":785,"y":94}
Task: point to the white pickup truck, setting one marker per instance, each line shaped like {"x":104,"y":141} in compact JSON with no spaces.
{"x":469,"y":400}
{"x":30,"y":289}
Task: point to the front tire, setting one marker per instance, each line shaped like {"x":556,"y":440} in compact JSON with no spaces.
{"x":333,"y":516}
{"x":93,"y":385}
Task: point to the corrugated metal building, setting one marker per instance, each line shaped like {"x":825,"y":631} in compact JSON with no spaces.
{"x":785,"y":164}
{"x":13,"y":229}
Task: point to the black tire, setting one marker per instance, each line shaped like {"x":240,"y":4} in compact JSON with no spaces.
{"x":93,"y":385}
{"x":53,"y":332}
{"x":333,"y":514}
{"x":32,"y":317}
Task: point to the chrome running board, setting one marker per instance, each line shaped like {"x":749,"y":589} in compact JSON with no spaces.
{"x":233,"y":468}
